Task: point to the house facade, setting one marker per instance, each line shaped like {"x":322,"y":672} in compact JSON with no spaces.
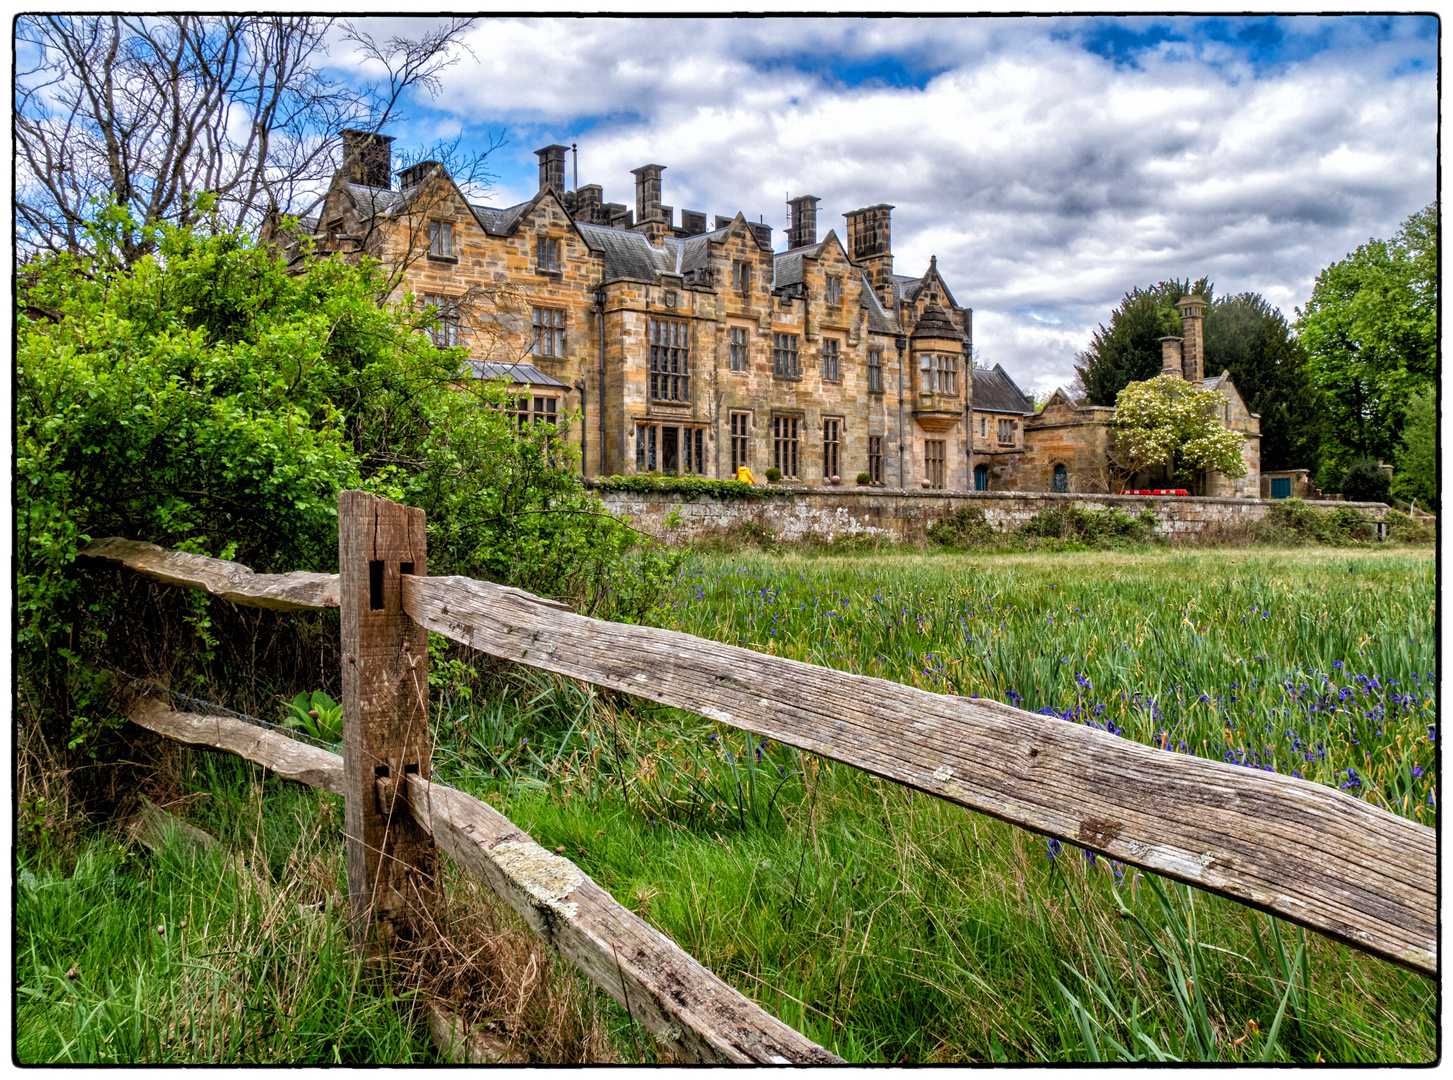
{"x":694,"y":350}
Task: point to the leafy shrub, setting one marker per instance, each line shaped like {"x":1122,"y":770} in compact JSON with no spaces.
{"x":207,"y":399}
{"x":966,"y":528}
{"x":773,"y":475}
{"x":1292,"y":521}
{"x":1093,"y":528}
{"x":1365,"y":481}
{"x":686,"y":487}
{"x":1405,"y":529}
{"x":864,"y":479}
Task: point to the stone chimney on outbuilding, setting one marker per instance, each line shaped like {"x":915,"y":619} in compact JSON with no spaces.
{"x":367,"y":159}
{"x":552,"y":167}
{"x":870,"y":246}
{"x":1193,"y":349}
{"x":803,"y":230}
{"x":1170,"y":356}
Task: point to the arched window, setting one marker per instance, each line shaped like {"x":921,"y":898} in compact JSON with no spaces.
{"x":981,"y":478}
{"x":1061,"y":478}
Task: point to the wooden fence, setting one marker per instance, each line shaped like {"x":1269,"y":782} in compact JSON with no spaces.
{"x":1299,"y":850}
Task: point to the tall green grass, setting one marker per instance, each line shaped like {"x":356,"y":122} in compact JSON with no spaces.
{"x":893,"y":927}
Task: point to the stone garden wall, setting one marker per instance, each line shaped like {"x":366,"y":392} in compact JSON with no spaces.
{"x":826,"y":514}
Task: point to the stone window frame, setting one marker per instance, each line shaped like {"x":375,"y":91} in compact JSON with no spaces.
{"x":547,"y":254}
{"x":547,"y":339}
{"x":445,"y":332}
{"x":650,"y":445}
{"x":537,"y":408}
{"x":935,"y":456}
{"x":832,"y":360}
{"x":787,"y":444}
{"x":1006,"y":426}
{"x":739,"y":352}
{"x":938,"y":373}
{"x":875,"y":371}
{"x":875,"y":459}
{"x":441,"y":241}
{"x":741,"y":277}
{"x":832,"y":446}
{"x":785,"y":357}
{"x":670,"y":360}
{"x":740,"y":427}
{"x":833,"y":290}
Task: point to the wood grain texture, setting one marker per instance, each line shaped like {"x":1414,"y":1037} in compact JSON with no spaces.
{"x":287,"y":757}
{"x":700,"y":1017}
{"x":694,"y":1012}
{"x":391,"y":860}
{"x":298,"y":591}
{"x":1300,"y":850}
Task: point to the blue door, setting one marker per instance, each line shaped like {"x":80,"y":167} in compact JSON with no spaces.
{"x":981,"y":478}
{"x":1281,"y":487}
{"x":1061,"y":479}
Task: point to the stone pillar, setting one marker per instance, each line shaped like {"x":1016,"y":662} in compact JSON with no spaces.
{"x":1193,"y":310}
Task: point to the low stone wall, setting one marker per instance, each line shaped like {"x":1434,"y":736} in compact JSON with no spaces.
{"x":826,"y":514}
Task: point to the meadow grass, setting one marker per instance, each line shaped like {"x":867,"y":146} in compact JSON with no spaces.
{"x":891,"y":926}
{"x":884,"y":923}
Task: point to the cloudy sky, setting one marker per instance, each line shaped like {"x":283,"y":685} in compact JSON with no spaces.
{"x":1050,"y":163}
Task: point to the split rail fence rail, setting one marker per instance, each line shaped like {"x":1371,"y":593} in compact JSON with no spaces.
{"x":1299,"y":850}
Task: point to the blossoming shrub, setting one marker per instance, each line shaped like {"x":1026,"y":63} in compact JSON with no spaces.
{"x":1169,"y":423}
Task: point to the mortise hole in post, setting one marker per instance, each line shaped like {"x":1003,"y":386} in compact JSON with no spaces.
{"x":406,"y":568}
{"x":375,"y":584}
{"x":411,"y":770}
{"x":380,"y":772}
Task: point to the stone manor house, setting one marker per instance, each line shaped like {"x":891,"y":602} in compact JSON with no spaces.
{"x":690,"y":350}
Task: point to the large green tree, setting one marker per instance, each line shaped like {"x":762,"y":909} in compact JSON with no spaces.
{"x":1416,"y":476}
{"x":1248,"y":337}
{"x":1129,"y":349}
{"x":1243,"y":334}
{"x":1371,"y":333}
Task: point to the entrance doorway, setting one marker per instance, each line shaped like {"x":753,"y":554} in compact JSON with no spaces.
{"x":981,"y":478}
{"x":670,"y":449}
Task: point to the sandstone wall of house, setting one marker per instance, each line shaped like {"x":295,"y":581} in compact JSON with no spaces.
{"x":827,"y":515}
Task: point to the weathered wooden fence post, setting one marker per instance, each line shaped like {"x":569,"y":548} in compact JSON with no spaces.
{"x":391,"y":860}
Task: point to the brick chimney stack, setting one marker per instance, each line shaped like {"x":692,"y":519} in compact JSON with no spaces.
{"x":870,"y":246}
{"x":367,"y":159}
{"x":1193,"y":310}
{"x":803,"y":230}
{"x":552,"y":167}
{"x":1170,"y":357}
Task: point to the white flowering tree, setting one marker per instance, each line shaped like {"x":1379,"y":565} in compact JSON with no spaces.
{"x":1169,"y":423}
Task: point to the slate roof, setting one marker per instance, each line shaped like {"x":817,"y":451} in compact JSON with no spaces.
{"x":994,"y":391}
{"x":907,"y":287}
{"x":518,"y":374}
{"x":380,"y":199}
{"x":497,"y":221}
{"x":787,"y":265}
{"x":879,"y":319}
{"x":694,"y":252}
{"x":628,"y":254}
{"x":934,"y":323}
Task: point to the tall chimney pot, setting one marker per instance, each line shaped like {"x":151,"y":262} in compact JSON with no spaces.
{"x":803,"y":230}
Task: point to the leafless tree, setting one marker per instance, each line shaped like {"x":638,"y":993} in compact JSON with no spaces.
{"x":153,"y":111}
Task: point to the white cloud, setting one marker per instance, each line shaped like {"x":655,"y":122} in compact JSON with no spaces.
{"x":1046,"y":178}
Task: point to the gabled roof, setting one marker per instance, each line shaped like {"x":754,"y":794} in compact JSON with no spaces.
{"x":629,"y":254}
{"x":694,"y":252}
{"x":880,"y":319}
{"x":994,"y":391}
{"x":516,"y":374}
{"x":501,"y":222}
{"x":380,"y":200}
{"x":906,"y":288}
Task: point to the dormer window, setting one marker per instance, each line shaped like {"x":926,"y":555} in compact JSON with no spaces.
{"x":547,"y":253}
{"x":834,"y":291}
{"x":441,"y":238}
